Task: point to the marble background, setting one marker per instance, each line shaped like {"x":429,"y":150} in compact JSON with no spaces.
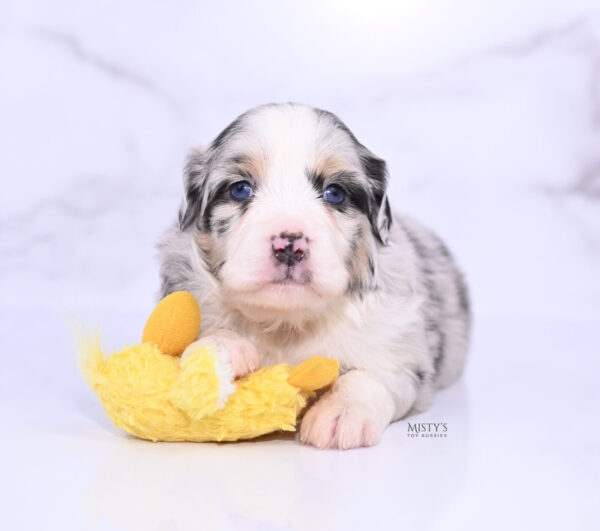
{"x":488,"y":114}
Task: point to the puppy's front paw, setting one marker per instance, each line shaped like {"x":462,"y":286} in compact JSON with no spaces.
{"x":334,"y":423}
{"x":240,"y":353}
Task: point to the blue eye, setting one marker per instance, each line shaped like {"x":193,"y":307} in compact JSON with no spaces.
{"x":241,"y":191}
{"x":334,"y":194}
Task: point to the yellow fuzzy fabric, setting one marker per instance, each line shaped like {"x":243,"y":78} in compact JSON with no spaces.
{"x":314,"y":373}
{"x":152,"y":396}
{"x":174,"y":323}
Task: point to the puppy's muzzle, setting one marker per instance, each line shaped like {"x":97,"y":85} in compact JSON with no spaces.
{"x":289,"y":248}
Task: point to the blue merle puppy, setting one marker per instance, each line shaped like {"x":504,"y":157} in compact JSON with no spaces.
{"x":286,"y":237}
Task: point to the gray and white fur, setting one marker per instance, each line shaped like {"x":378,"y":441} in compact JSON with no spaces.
{"x":290,"y":271}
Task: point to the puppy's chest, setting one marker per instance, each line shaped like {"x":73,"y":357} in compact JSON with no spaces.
{"x":365,"y":347}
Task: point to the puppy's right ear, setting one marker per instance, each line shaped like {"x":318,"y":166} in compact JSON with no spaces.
{"x":194,"y":185}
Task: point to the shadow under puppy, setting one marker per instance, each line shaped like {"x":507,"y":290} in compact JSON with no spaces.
{"x":286,"y":237}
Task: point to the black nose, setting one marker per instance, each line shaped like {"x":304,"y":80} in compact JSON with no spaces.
{"x":287,"y":255}
{"x":289,"y":248}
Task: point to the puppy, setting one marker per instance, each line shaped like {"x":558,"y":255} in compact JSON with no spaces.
{"x":286,"y":237}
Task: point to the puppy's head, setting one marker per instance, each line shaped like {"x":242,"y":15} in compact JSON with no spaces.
{"x":287,"y":209}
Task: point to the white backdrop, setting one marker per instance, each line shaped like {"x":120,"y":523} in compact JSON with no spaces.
{"x":488,"y":114}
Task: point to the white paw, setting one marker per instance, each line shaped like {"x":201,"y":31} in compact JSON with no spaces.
{"x":334,"y":423}
{"x":241,"y":353}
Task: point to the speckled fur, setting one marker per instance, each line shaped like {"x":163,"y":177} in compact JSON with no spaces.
{"x":395,"y":313}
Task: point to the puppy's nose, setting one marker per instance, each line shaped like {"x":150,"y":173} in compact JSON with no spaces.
{"x":289,"y":247}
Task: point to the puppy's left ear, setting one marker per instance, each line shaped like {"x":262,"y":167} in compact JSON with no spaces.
{"x":194,"y":185}
{"x":380,"y":213}
{"x":384,"y":221}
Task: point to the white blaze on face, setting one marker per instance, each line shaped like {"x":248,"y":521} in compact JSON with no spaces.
{"x":286,"y":145}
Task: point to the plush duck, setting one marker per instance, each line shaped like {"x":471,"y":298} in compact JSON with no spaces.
{"x":152,"y":393}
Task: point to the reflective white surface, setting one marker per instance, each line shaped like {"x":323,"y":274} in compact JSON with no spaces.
{"x":487,"y":114}
{"x":521,"y":450}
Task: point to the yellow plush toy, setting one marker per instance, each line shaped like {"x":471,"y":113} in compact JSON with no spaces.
{"x":148,"y":391}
